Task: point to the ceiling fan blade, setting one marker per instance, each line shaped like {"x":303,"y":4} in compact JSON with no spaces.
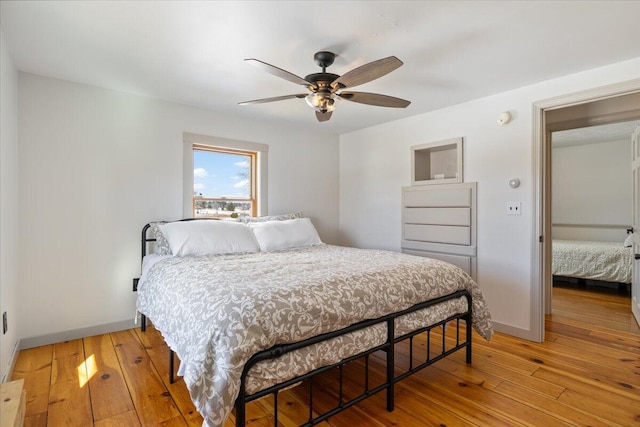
{"x":375,"y":99}
{"x":272,"y":99}
{"x":366,"y":73}
{"x":323,"y":117}
{"x":278,"y":72}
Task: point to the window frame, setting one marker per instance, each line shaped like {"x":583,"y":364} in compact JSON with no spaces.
{"x":253,"y":159}
{"x":258,"y":193}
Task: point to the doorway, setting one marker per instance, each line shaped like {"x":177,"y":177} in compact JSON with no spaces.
{"x":609,"y":104}
{"x":592,"y":205}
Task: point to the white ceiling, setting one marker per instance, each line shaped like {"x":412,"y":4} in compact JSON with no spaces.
{"x":192,"y":52}
{"x":595,"y":134}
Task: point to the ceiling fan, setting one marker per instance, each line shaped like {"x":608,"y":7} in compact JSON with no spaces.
{"x":327,"y":88}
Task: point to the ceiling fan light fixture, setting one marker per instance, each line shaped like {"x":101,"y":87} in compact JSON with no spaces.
{"x":322,"y":102}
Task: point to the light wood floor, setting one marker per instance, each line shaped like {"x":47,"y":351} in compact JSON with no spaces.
{"x":587,"y":372}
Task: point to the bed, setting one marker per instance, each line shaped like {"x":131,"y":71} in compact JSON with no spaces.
{"x":604,"y":261}
{"x":248,"y":324}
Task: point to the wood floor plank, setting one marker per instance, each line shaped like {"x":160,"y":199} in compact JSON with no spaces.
{"x":411,"y":409}
{"x":109,"y":393}
{"x":623,"y":412}
{"x":258,"y":416}
{"x":425,"y":411}
{"x":621,"y":360}
{"x":456,"y":400}
{"x":492,"y":367}
{"x":499,"y":405}
{"x":37,"y":420}
{"x":151,"y":399}
{"x":34,"y":366}
{"x":126,"y":419}
{"x":325,"y":398}
{"x":598,"y":336}
{"x":158,"y":352}
{"x":595,"y":397}
{"x":563,"y":412}
{"x":557,"y":320}
{"x":487,"y":351}
{"x":404,"y":414}
{"x":615,"y":340}
{"x":291,"y":411}
{"x":558,"y":360}
{"x":69,"y":400}
{"x":499,"y":374}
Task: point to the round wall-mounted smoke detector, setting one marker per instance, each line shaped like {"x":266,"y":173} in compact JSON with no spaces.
{"x":504,"y":118}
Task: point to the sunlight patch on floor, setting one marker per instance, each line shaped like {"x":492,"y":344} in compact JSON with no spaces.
{"x":86,"y":370}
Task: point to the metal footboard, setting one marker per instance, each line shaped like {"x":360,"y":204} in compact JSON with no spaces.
{"x":388,"y":347}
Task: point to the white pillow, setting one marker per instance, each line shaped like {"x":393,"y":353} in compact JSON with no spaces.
{"x":209,"y":237}
{"x":288,"y":234}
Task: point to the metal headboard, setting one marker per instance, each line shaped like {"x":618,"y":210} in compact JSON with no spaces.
{"x":145,"y":239}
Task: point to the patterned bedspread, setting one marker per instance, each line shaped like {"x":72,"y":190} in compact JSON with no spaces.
{"x":217,"y":311}
{"x":609,"y":261}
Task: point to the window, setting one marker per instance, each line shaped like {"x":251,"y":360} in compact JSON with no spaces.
{"x":224,"y":178}
{"x":224,"y":182}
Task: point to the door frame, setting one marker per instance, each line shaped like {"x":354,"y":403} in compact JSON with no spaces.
{"x":541,"y":239}
{"x":635,"y":281}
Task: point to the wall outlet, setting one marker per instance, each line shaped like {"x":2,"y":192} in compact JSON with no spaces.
{"x":513,"y":208}
{"x":4,"y":323}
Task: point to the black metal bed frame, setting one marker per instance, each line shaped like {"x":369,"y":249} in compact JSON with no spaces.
{"x":388,"y":347}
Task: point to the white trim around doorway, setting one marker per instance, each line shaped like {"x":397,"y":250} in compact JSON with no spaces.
{"x":541,"y":251}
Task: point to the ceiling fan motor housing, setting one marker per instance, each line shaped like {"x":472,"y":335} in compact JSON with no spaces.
{"x":321,"y":79}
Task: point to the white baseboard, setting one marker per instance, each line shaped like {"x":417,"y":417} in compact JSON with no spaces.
{"x":75,"y":334}
{"x":12,"y":362}
{"x":525,"y":334}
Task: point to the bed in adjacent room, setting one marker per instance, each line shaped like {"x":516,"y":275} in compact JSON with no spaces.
{"x":603,"y":261}
{"x":251,"y":309}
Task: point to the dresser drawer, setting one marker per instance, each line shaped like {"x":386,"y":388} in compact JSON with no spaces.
{"x":437,"y":216}
{"x":437,"y":198}
{"x":438,"y":234}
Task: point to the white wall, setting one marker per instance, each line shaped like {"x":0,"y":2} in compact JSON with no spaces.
{"x":375,"y":164}
{"x":96,"y":165}
{"x":8,"y":203}
{"x":592,"y":185}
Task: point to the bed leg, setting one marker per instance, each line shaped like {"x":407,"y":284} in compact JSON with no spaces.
{"x":468,"y":328}
{"x":240,"y":407}
{"x":171,"y":367}
{"x":143,"y":322}
{"x":390,"y":365}
{"x":468,"y":358}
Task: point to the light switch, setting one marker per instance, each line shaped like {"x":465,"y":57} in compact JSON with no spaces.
{"x":513,"y":208}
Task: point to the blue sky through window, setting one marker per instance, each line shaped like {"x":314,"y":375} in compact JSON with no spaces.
{"x":221,"y":174}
